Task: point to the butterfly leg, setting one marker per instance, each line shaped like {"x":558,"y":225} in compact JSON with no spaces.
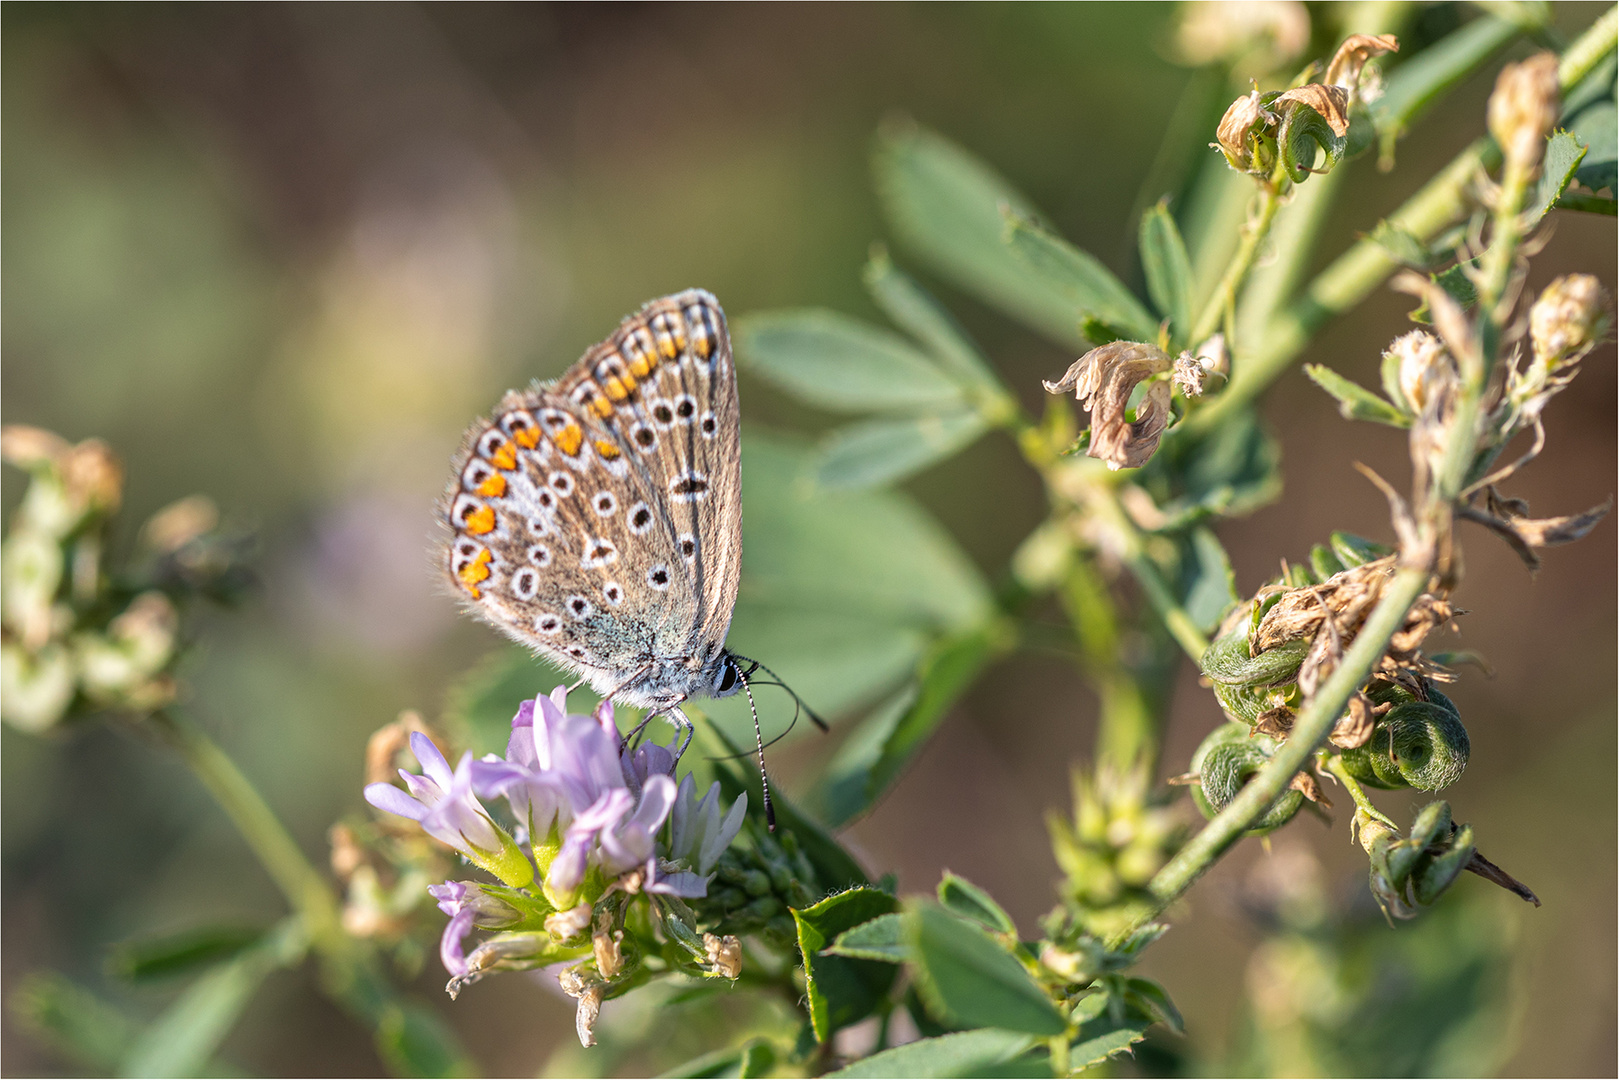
{"x":682,"y":725}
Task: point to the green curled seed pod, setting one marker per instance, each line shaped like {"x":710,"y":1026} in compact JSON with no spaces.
{"x":1227,"y":660}
{"x":1434,"y":878}
{"x":1241,"y":702}
{"x":1420,"y":744}
{"x":1227,"y":760}
{"x":1355,"y":550}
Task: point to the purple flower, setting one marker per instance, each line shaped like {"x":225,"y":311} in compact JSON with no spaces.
{"x":697,"y":833}
{"x":467,"y":905}
{"x":444,"y":804}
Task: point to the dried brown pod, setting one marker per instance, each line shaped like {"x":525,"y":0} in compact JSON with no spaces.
{"x":1102,"y":381}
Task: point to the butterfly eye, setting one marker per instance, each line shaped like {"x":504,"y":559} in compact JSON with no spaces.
{"x":728,"y":678}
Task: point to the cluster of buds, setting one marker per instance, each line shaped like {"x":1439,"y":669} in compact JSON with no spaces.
{"x":1272,"y":654}
{"x":1295,"y":127}
{"x":72,"y":634}
{"x":597,"y":827}
{"x":1121,"y":834}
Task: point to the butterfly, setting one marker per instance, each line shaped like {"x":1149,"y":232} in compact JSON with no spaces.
{"x":597,"y":519}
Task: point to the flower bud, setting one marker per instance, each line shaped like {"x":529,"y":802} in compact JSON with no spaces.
{"x":1524,"y":107}
{"x":1241,"y":135}
{"x":1569,"y":318}
{"x":563,"y":925}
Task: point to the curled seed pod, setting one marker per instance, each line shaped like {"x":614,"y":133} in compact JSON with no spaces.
{"x":1420,"y":744}
{"x":1228,"y":660}
{"x":1227,"y":760}
{"x":1247,"y":703}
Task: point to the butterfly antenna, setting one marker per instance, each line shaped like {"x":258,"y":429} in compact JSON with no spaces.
{"x":759,"y":743}
{"x":800,"y":702}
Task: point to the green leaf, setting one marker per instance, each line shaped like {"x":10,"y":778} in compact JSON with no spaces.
{"x":925,"y":319}
{"x":882,"y":938}
{"x":1209,"y":585}
{"x":1417,"y":83}
{"x":841,"y":991}
{"x":183,"y":1040}
{"x":1230,"y":470}
{"x":1090,"y":288}
{"x":179,"y":953}
{"x":841,"y":592}
{"x":74,"y":1022}
{"x":884,"y":451}
{"x":1103,"y":1037}
{"x":1168,"y":269}
{"x":875,"y":755}
{"x":414,"y":1041}
{"x":961,"y":1053}
{"x":966,"y":976}
{"x":945,"y":205}
{"x":1590,"y":114}
{"x":961,"y":897}
{"x":1355,"y":402}
{"x":1564,"y":153}
{"x":1154,"y":999}
{"x":1402,"y":245}
{"x":841,"y":364}
{"x":1456,"y":282}
{"x":755,"y":1057}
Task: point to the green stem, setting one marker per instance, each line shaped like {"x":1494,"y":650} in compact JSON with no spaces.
{"x":1225,"y":293}
{"x":304,"y":887}
{"x":1127,"y":729}
{"x":1310,"y":729}
{"x":1335,"y":765}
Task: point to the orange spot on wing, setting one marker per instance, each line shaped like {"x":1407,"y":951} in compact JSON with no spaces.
{"x":641,"y":365}
{"x":475,"y":571}
{"x":601,"y":407}
{"x":607,"y":450}
{"x":480,"y":521}
{"x":505,"y":456}
{"x":494,"y":487}
{"x":569,"y":439}
{"x":528,"y":438}
{"x":619,"y":389}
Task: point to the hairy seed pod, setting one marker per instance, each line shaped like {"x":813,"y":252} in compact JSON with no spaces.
{"x":1227,"y":760}
{"x":1227,"y":660}
{"x":1419,"y":744}
{"x":1242,"y":702}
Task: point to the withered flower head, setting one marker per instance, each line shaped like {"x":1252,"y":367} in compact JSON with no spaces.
{"x":1570,"y":317}
{"x":1239,"y":133}
{"x":1426,"y":369}
{"x":1102,"y":381}
{"x":1523,"y":108}
{"x":1352,"y":55}
{"x":1332,"y":102}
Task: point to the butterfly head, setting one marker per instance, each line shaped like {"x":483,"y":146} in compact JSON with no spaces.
{"x":728,"y":677}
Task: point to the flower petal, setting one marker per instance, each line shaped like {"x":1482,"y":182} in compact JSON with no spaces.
{"x":432,"y":761}
{"x":391,"y":799}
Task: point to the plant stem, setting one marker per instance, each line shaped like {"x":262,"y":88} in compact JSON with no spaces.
{"x":1127,"y":729}
{"x":1310,"y":729}
{"x":1335,"y":765}
{"x":304,"y":887}
{"x":1225,"y":293}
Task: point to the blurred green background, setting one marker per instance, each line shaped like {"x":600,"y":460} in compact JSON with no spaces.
{"x":281,"y":255}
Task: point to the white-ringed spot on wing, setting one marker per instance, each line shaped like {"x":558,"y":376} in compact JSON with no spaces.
{"x":687,"y":543}
{"x":614,"y":593}
{"x":547,"y":623}
{"x":644,"y":438}
{"x":554,"y":421}
{"x":519,"y":424}
{"x":579,"y":607}
{"x":708,"y":425}
{"x":689,"y":486}
{"x":640,"y":518}
{"x":561,"y":483}
{"x":546,"y":500}
{"x":599,"y":553}
{"x":537,"y":525}
{"x":524,"y":583}
{"x":490,"y":443}
{"x":539,"y":555}
{"x":685,"y":408}
{"x":605,"y":503}
{"x":658,"y":577}
{"x":577,"y":653}
{"x":462,"y":554}
{"x":662,"y":412}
